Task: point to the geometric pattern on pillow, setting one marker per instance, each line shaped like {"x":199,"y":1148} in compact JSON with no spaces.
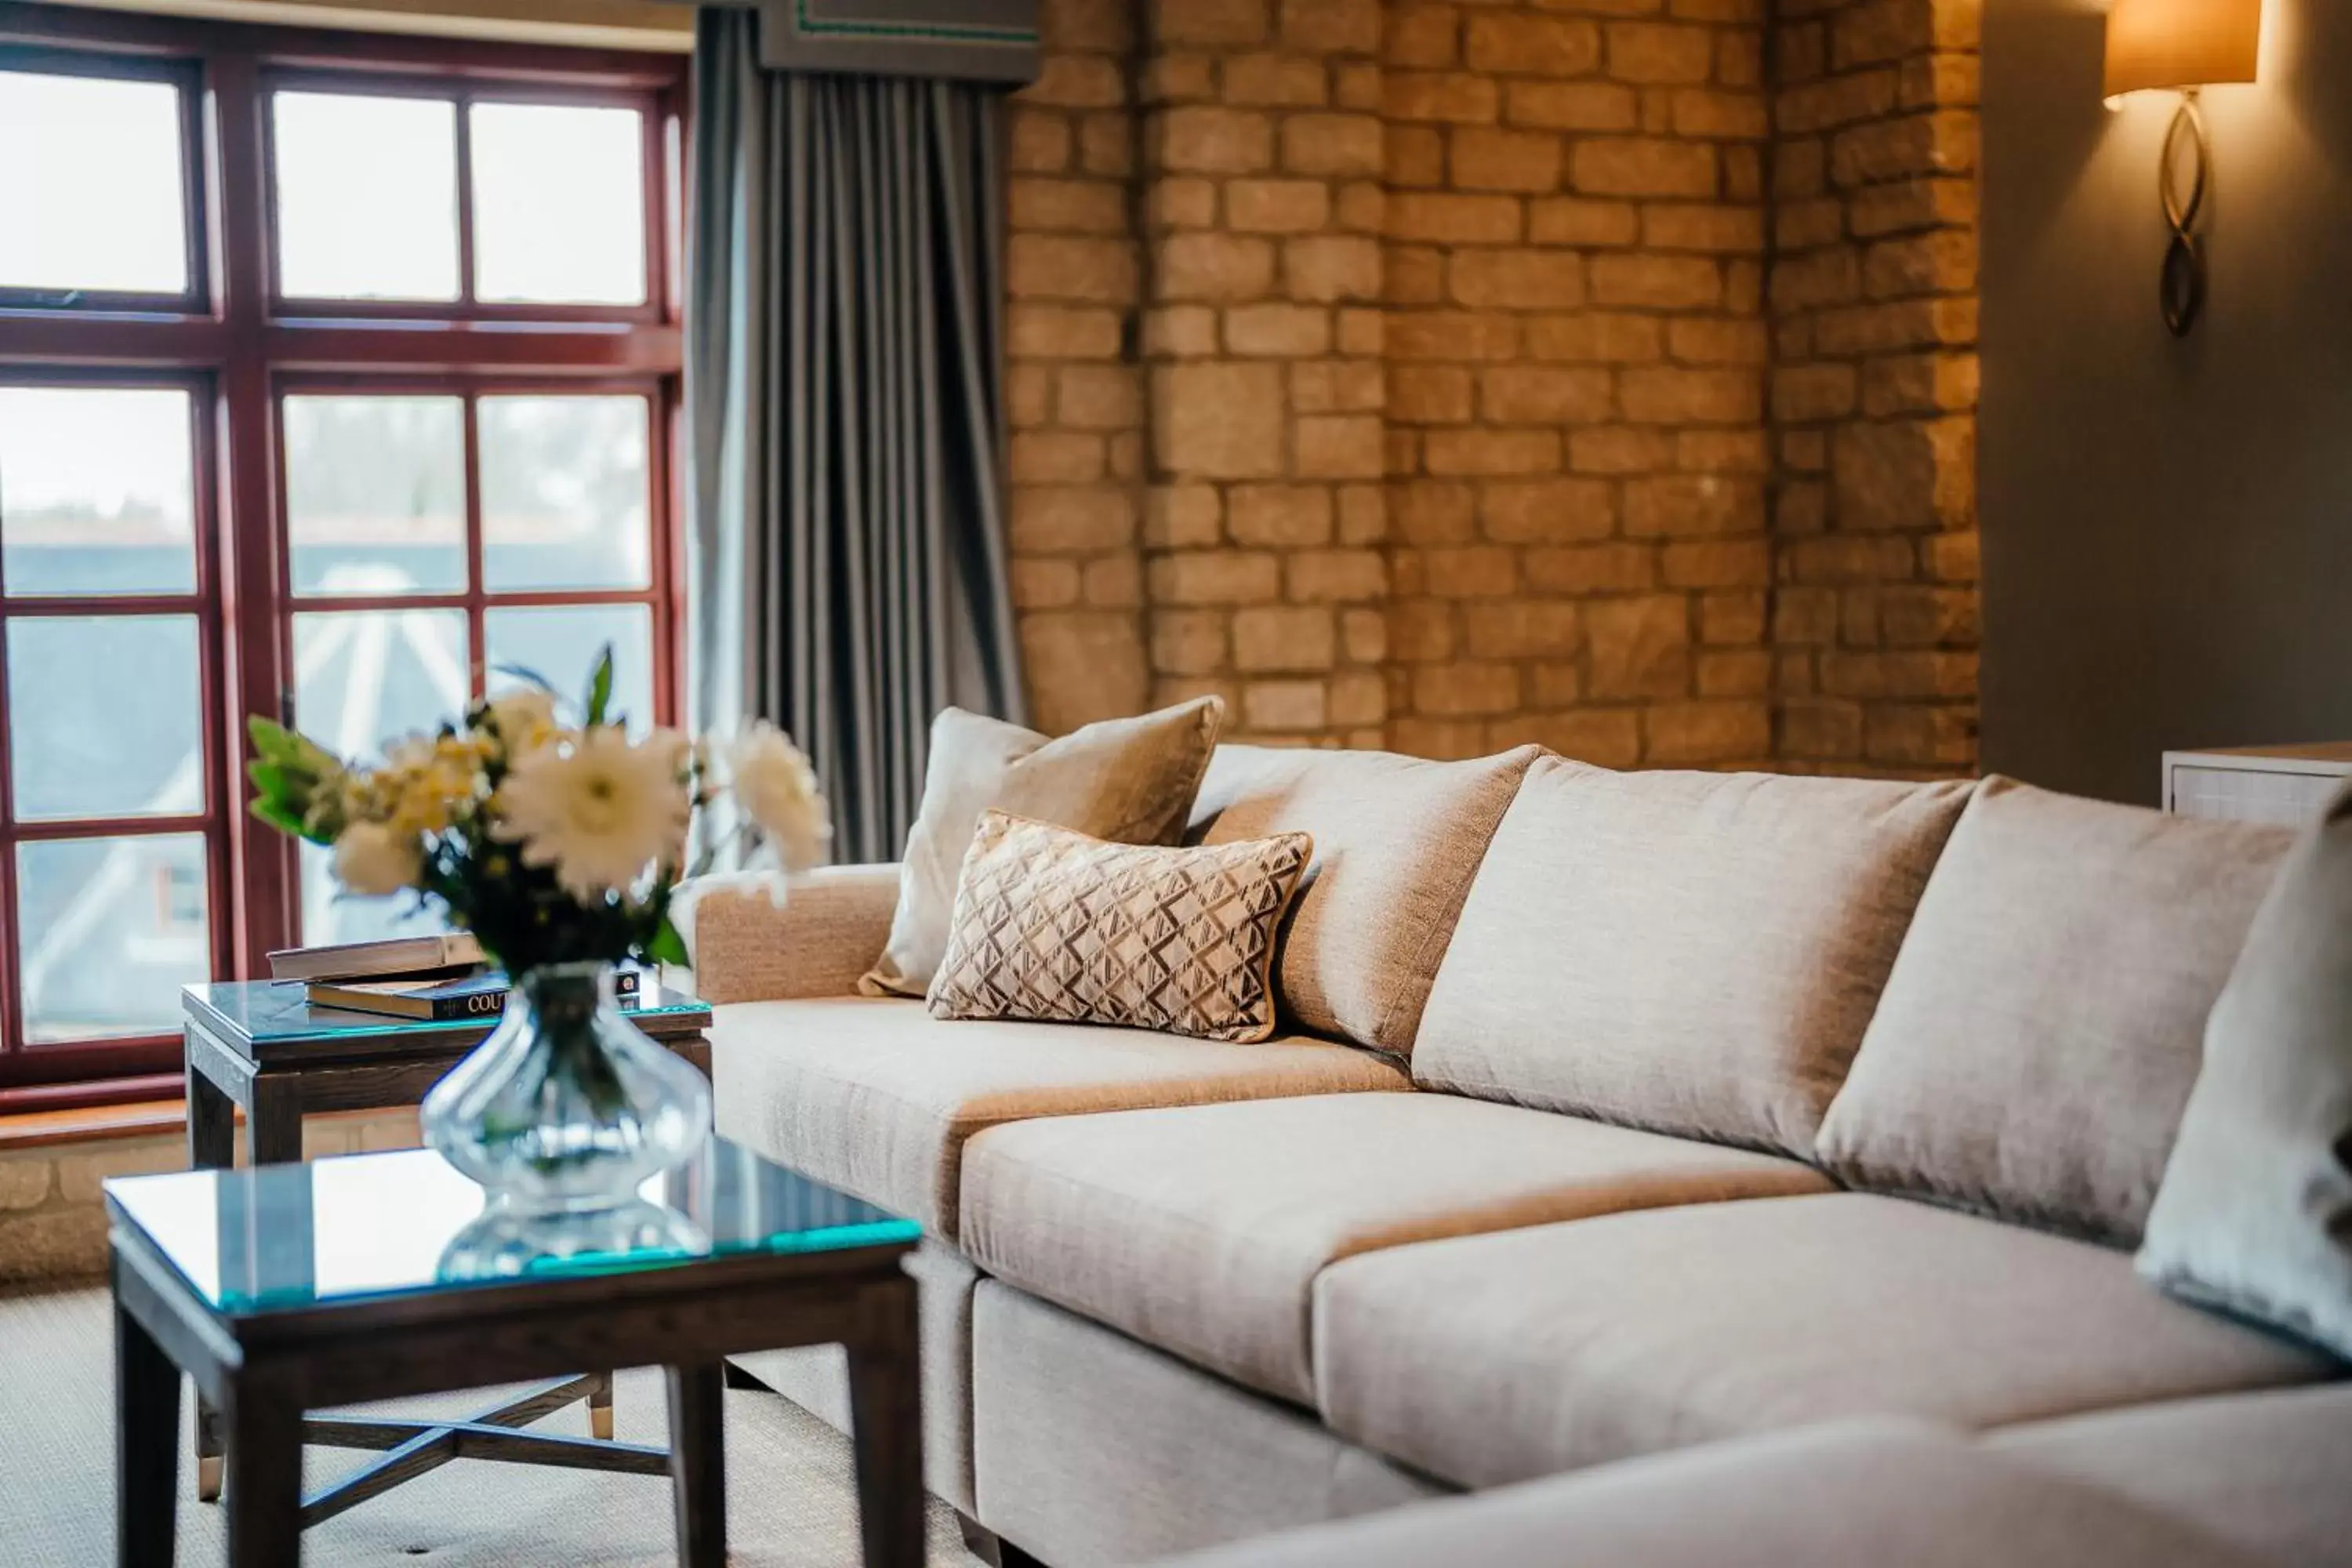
{"x":1055,"y":926}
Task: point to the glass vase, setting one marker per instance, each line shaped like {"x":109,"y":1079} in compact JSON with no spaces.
{"x":567,"y":1107}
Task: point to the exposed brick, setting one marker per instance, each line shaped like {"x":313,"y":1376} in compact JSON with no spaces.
{"x":1514,"y":43}
{"x":1545,"y":394}
{"x":1218,"y":421}
{"x":1485,"y":158}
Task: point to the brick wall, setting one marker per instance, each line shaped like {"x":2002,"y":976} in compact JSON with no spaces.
{"x":1408,"y":373}
{"x":1074,"y":387}
{"x":1264,"y":514}
{"x":1874,"y":384}
{"x":1576,"y":379}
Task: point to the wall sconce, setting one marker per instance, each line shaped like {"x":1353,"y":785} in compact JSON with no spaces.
{"x":2184,"y":45}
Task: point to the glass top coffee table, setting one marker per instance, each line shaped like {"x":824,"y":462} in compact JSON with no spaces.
{"x":284,"y":1288}
{"x":258,"y":1047}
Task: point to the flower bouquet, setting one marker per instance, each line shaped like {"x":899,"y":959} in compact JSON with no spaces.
{"x":560,"y":846}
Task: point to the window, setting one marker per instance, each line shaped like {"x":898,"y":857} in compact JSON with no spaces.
{"x":338,"y":378}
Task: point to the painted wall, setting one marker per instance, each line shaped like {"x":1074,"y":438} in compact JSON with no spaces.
{"x":2167,"y":525}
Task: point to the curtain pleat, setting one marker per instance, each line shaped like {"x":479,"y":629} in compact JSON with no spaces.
{"x":848,"y":554}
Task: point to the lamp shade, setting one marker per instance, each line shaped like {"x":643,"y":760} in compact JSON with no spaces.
{"x":2181,"y":42}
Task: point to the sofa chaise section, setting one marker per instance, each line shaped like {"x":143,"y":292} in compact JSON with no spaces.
{"x":1853,"y":1495}
{"x":1497,"y":1358}
{"x":2270,"y":1472}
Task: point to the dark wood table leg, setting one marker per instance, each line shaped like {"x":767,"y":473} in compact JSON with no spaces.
{"x":265,"y":1492}
{"x":212,"y":1146}
{"x":697,"y":1462}
{"x":886,"y":1427}
{"x":146,"y":1447}
{"x":273,"y":1122}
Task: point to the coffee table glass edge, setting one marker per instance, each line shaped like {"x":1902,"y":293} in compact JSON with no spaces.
{"x":354,"y":1228}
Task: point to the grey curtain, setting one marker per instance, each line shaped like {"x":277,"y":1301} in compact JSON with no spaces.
{"x":847,"y":549}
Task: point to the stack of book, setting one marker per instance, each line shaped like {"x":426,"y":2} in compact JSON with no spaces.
{"x":435,"y":978}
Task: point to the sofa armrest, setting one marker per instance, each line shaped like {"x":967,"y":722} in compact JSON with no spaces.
{"x":827,"y":930}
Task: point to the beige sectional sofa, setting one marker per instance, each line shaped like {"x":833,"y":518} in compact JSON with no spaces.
{"x":1629,"y":1114}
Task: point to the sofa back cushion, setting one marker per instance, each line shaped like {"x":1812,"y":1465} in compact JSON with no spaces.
{"x":1696,"y":953}
{"x":2040,"y":1032}
{"x":1397,"y":841}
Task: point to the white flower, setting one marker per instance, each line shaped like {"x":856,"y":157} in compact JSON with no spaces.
{"x":597,"y":809}
{"x":371,"y":859}
{"x":777,"y":789}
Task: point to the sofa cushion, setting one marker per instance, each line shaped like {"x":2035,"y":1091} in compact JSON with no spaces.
{"x":1396,"y":842}
{"x":1202,"y":1230}
{"x":1057,"y":926}
{"x":2040,"y":1031}
{"x":1494,"y":1358}
{"x":1870,"y":1494}
{"x":1697,"y":953}
{"x":2263,"y":1471}
{"x":2254,"y":1216}
{"x":1130,"y":780}
{"x":876,"y":1096}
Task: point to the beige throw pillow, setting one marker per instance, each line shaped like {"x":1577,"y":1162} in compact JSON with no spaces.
{"x":2254,"y":1216}
{"x":1397,"y":841}
{"x":1130,"y":781}
{"x":1055,"y":926}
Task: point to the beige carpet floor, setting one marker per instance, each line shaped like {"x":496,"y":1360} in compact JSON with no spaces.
{"x":790,"y":1498}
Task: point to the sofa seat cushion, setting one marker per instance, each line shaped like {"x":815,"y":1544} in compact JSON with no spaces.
{"x":1868,"y":1494}
{"x":1202,"y":1230}
{"x":1695,"y":953}
{"x":876,"y":1096}
{"x":2044,"y":1022}
{"x":2263,"y":1471}
{"x":1495,"y":1358}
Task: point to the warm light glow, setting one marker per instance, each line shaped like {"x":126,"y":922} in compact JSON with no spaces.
{"x":2181,"y":42}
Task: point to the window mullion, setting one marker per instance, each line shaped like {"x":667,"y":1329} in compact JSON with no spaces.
{"x":251,"y":540}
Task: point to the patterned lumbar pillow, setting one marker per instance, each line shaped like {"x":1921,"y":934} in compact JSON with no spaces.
{"x":2254,"y":1216}
{"x":1055,"y":925}
{"x":1127,"y":779}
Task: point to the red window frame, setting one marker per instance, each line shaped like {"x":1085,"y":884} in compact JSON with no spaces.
{"x":238,"y":345}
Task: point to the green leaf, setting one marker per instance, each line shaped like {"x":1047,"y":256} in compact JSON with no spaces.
{"x":667,"y":946}
{"x":277,"y":816}
{"x":271,"y":780}
{"x":600,"y":687}
{"x":273,"y":740}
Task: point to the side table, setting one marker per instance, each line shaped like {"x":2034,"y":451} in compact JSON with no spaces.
{"x":287,"y":1288}
{"x":260,"y":1046}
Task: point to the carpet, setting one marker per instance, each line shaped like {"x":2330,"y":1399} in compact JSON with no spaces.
{"x":790,"y":1494}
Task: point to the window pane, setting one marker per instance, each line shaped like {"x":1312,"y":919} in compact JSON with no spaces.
{"x":563,"y":492}
{"x":100,"y":204}
{"x":375,"y":494}
{"x":558,"y":204}
{"x":366,"y":677}
{"x":363,"y":678}
{"x":561,"y":644}
{"x":97,"y":491}
{"x":367,"y":197}
{"x":110,"y":929}
{"x":105,"y":716}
